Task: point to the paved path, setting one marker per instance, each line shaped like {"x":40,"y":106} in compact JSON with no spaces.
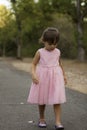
{"x":15,"y":113}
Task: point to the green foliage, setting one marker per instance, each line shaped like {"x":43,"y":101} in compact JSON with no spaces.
{"x":28,"y":19}
{"x":85,"y":38}
{"x":11,"y":48}
{"x":66,"y":27}
{"x":30,"y":49}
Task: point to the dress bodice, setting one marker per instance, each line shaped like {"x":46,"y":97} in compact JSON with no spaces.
{"x":49,"y":58}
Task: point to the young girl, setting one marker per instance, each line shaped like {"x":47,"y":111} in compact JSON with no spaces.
{"x":48,"y":78}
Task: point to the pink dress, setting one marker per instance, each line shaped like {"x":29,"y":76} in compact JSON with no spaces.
{"x":51,"y":89}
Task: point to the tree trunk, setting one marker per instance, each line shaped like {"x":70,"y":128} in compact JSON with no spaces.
{"x":19,"y":39}
{"x":19,"y":43}
{"x":19,"y":52}
{"x":81,"y":51}
{"x":4,"y":49}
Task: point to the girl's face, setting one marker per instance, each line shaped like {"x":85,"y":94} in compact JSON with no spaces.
{"x":50,"y":47}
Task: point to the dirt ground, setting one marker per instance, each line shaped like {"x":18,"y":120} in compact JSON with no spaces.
{"x":76,"y":72}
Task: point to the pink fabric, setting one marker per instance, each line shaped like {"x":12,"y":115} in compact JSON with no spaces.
{"x":50,"y":89}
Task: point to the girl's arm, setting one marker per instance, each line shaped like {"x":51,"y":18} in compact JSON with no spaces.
{"x":34,"y":64}
{"x":60,"y":63}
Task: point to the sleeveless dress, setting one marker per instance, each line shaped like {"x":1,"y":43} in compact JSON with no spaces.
{"x":51,"y":89}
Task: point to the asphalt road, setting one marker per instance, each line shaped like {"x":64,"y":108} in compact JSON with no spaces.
{"x":17,"y":114}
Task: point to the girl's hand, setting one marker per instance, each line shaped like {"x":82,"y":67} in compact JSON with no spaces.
{"x":35,"y":79}
{"x":65,"y":80}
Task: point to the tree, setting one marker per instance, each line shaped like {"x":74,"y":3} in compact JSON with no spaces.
{"x":18,"y":21}
{"x":4,"y":21}
{"x":77,"y":9}
{"x":81,"y":51}
{"x":26,"y":17}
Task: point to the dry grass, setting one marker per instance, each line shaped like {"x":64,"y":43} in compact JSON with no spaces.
{"x":76,"y":74}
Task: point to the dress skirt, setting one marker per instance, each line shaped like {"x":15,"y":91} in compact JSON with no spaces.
{"x":50,"y":89}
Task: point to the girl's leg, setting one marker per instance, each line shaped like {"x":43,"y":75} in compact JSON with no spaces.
{"x":41,"y":112}
{"x":57,"y":111}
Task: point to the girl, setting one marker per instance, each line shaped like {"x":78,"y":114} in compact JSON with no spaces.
{"x":48,"y":78}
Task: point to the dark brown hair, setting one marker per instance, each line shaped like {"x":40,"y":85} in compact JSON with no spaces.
{"x":50,"y":35}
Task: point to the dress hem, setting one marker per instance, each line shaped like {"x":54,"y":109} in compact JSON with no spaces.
{"x":46,"y":103}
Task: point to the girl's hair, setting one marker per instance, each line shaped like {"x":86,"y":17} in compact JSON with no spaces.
{"x":50,"y":35}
